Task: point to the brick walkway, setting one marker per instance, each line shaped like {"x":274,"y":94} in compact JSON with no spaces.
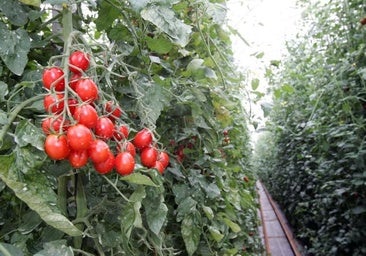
{"x":277,"y":237}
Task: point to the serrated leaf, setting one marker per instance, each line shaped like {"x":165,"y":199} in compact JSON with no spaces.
{"x":164,"y":18}
{"x":14,"y":48}
{"x":36,"y":3}
{"x":138,"y":178}
{"x":38,"y":195}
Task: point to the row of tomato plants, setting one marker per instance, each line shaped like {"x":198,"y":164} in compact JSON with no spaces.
{"x":312,"y":157}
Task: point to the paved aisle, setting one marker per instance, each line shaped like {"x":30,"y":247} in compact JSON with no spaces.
{"x":274,"y":235}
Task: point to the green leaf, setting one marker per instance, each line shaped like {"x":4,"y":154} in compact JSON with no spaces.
{"x":209,"y":212}
{"x":164,"y":18}
{"x":255,"y":84}
{"x":14,"y":48}
{"x":156,"y":210}
{"x":27,"y":133}
{"x":233,"y":226}
{"x":56,"y":248}
{"x":160,"y":45}
{"x":11,"y":250}
{"x":15,"y":12}
{"x":3,"y":90}
{"x":138,"y":178}
{"x":107,"y":14}
{"x":191,"y":231}
{"x":36,"y":3}
{"x":215,"y":233}
{"x":38,"y":195}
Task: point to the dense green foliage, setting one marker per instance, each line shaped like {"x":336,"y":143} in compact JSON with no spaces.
{"x":169,"y":65}
{"x":313,"y":159}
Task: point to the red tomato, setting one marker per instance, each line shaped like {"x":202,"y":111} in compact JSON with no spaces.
{"x":78,"y":159}
{"x":53,"y":78}
{"x":54,"y":124}
{"x":121,"y":132}
{"x":127,"y":146}
{"x":159,"y":166}
{"x":104,"y":128}
{"x":98,"y":151}
{"x":54,"y":103}
{"x":106,"y":166}
{"x":149,"y":156}
{"x":74,"y":79}
{"x":163,"y":157}
{"x":78,"y":61}
{"x":114,"y":112}
{"x":143,"y":139}
{"x":86,"y":89}
{"x":72,"y":105}
{"x":125,"y":163}
{"x":86,"y":115}
{"x":79,"y":137}
{"x":56,"y":146}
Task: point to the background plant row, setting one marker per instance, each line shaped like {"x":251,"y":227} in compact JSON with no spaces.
{"x":313,"y":158}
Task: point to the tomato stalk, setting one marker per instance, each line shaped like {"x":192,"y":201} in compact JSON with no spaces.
{"x":81,"y":207}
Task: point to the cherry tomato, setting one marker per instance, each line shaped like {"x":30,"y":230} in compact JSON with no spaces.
{"x":114,"y":112}
{"x":104,"y":128}
{"x":56,"y":146}
{"x":78,"y":61}
{"x":79,"y":137}
{"x":86,"y":115}
{"x":72,"y":105}
{"x":127,"y":146}
{"x":121,"y":132}
{"x":98,"y":151}
{"x":74,"y":79}
{"x":53,"y":124}
{"x":142,"y":139}
{"x":163,"y":157}
{"x":125,"y":163}
{"x":159,"y":166}
{"x":54,"y":103}
{"x":86,"y":89}
{"x":53,"y":78}
{"x":106,"y":166}
{"x":78,"y":159}
{"x":149,"y":156}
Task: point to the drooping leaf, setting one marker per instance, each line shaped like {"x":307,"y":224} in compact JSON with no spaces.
{"x":164,"y":18}
{"x":191,"y":231}
{"x":215,"y":233}
{"x":38,"y":195}
{"x":3,"y":90}
{"x":138,"y":178}
{"x":14,"y":48}
{"x":156,"y":210}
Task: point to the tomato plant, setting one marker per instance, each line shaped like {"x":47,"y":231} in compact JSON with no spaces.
{"x":78,"y":62}
{"x":124,"y":163}
{"x":56,"y":146}
{"x":53,"y":78}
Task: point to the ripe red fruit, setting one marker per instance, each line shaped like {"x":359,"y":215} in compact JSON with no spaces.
{"x":87,"y":90}
{"x":53,"y":78}
{"x":363,"y":21}
{"x":114,"y":112}
{"x":127,"y":146}
{"x":159,"y":166}
{"x":104,"y":128}
{"x":98,"y":151}
{"x":124,"y":163}
{"x":86,"y":115}
{"x":163,"y":157}
{"x":74,"y":79}
{"x":106,"y":166}
{"x":54,"y":103}
{"x":56,"y":146}
{"x":142,"y":139}
{"x":79,"y":137}
{"x":78,"y":159}
{"x":121,"y":132}
{"x":54,"y":124}
{"x":149,"y":156}
{"x":78,"y":62}
{"x":72,"y":105}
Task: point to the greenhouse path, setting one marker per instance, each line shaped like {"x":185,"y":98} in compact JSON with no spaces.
{"x":276,"y":233}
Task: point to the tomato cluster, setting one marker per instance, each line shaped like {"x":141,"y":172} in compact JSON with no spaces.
{"x":83,"y":127}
